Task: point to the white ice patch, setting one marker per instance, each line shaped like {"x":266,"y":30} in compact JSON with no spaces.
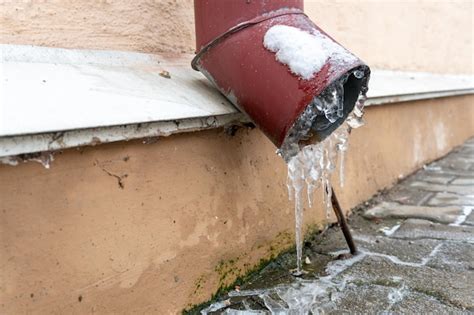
{"x":319,"y":295}
{"x":304,"y":53}
{"x":8,"y":160}
{"x":44,"y":159}
{"x":389,"y":231}
{"x":398,"y":261}
{"x":395,"y":296}
{"x":466,"y":211}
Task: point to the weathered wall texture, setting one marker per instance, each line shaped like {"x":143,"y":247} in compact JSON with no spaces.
{"x":140,"y":25}
{"x":415,"y":35}
{"x":195,"y":210}
{"x":419,"y":35}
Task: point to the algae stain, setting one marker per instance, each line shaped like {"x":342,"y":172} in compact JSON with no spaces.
{"x":199,"y":284}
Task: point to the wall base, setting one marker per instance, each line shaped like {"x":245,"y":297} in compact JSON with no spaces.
{"x":133,"y":227}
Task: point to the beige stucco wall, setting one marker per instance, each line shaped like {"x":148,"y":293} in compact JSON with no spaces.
{"x":419,"y":35}
{"x":415,"y":35}
{"x":140,"y":25}
{"x":191,"y":204}
{"x":72,"y":240}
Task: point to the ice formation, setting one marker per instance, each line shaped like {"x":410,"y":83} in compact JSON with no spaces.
{"x":8,"y":160}
{"x":44,"y":158}
{"x":310,"y":168}
{"x":321,"y":295}
{"x":303,"y":52}
{"x":330,"y":105}
{"x":310,"y":160}
{"x":389,"y":231}
{"x":466,"y":211}
{"x":311,"y":165}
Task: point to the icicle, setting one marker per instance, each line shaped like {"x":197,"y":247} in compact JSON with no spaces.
{"x":289,"y":185}
{"x":342,"y":135}
{"x":341,"y":169}
{"x":310,"y":192}
{"x":296,"y":176}
{"x":299,"y":232}
{"x":313,"y":165}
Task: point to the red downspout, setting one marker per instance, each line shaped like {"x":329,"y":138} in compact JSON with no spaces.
{"x":231,"y":53}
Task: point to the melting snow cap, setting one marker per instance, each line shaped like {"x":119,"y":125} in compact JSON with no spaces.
{"x":304,"y":53}
{"x":301,"y":51}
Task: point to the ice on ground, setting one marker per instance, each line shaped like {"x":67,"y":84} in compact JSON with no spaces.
{"x":320,"y":295}
{"x":466,"y":211}
{"x":389,"y":231}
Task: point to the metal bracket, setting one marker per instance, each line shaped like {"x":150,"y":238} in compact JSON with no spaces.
{"x":343,"y":223}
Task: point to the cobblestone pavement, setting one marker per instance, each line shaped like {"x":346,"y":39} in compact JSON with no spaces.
{"x":416,"y":244}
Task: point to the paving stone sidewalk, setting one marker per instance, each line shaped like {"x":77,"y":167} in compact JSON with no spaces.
{"x":416,"y":245}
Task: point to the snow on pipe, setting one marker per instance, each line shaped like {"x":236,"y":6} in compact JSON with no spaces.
{"x":274,"y":64}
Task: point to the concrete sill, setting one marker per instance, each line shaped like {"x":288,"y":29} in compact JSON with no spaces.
{"x":53,"y":98}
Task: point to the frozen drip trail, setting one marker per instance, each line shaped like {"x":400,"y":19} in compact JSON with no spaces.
{"x":311,"y":166}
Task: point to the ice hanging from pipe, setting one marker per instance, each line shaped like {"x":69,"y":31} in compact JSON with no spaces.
{"x":311,"y":167}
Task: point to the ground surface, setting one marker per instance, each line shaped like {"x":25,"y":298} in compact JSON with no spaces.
{"x":416,"y":244}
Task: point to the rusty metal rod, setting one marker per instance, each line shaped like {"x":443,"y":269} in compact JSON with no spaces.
{"x":343,"y":223}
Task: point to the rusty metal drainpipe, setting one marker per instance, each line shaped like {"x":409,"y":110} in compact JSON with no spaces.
{"x":231,"y":54}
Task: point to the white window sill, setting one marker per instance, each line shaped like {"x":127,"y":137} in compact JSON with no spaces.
{"x":53,"y":98}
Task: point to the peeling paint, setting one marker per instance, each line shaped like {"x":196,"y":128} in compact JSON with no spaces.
{"x":44,"y":158}
{"x":9,"y":160}
{"x":26,"y":144}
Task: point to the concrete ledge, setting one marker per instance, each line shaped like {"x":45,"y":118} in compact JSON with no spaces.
{"x":54,"y":98}
{"x":23,"y":144}
{"x":388,"y":87}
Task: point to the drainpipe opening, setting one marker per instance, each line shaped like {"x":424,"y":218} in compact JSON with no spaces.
{"x":339,"y":99}
{"x":354,"y":88}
